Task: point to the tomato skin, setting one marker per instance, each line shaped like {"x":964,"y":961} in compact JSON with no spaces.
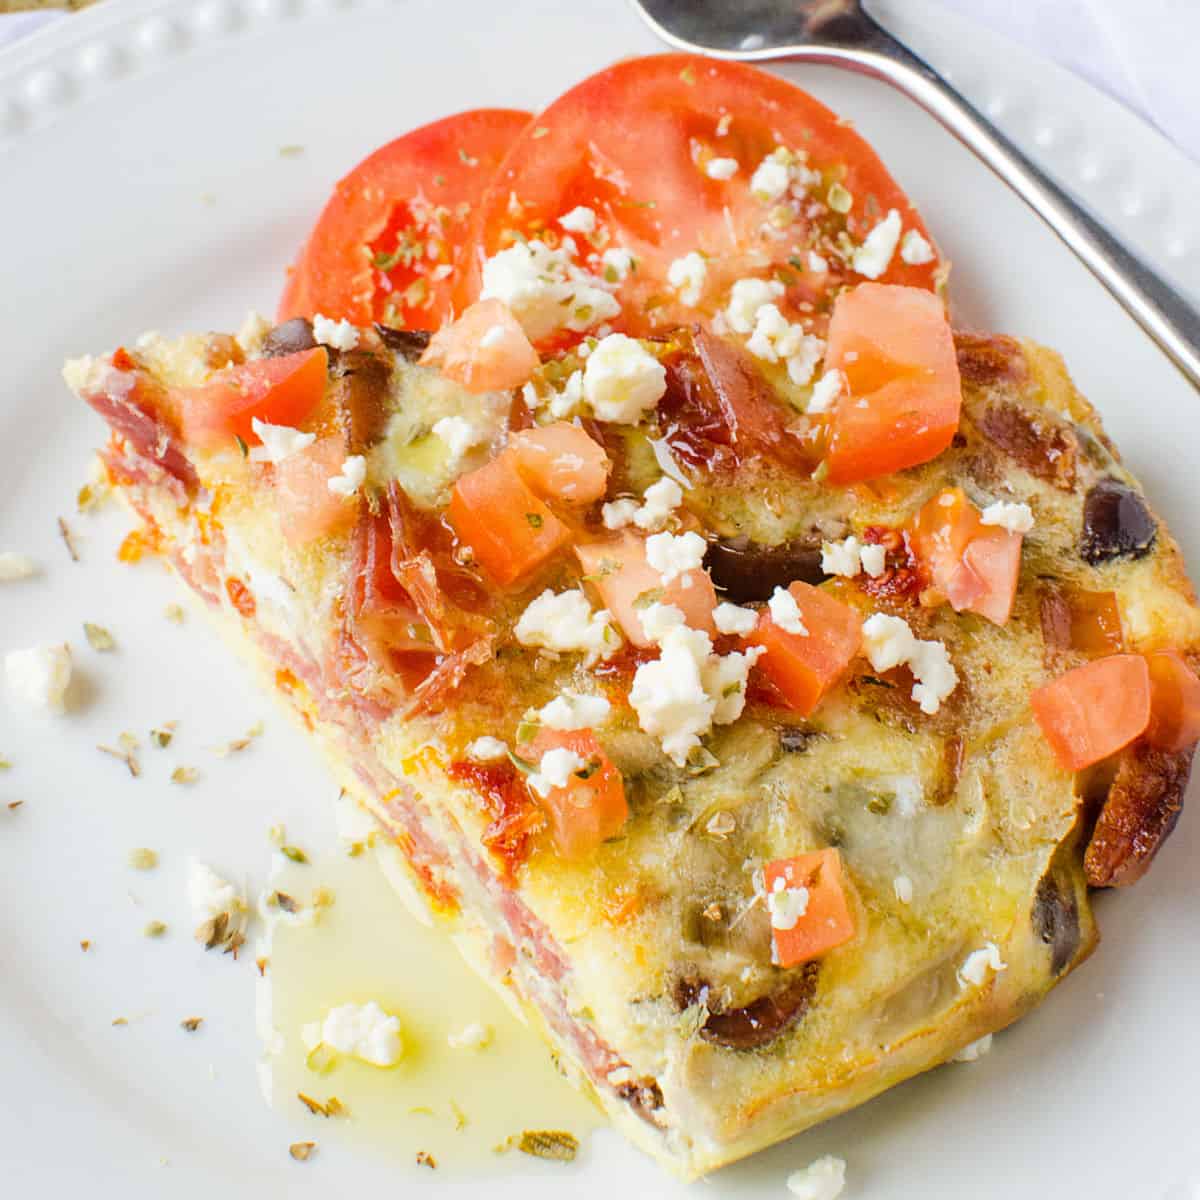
{"x":827,"y":922}
{"x":1174,"y":702}
{"x":587,"y":811}
{"x":509,"y":529}
{"x":561,"y":461}
{"x":804,"y":668}
{"x":307,"y":508}
{"x":1094,"y":710}
{"x":485,"y":350}
{"x":896,"y":351}
{"x":279,"y":391}
{"x":430,"y":179}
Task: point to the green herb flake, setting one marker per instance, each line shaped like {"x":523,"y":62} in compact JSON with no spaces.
{"x":554,"y":1144}
{"x":154,"y":929}
{"x":535,"y":520}
{"x":688,"y":76}
{"x":290,"y":151}
{"x":796,"y":261}
{"x":241,"y":445}
{"x":184,"y":775}
{"x":143,"y":859}
{"x":644,"y":600}
{"x":539,"y":132}
{"x":294,"y":854}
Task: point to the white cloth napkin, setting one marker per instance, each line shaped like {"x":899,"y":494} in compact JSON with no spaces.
{"x":1144,"y":52}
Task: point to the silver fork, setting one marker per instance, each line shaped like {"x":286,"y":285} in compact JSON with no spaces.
{"x":842,"y":33}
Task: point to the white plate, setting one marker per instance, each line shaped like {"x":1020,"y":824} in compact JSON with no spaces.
{"x":141,"y":187}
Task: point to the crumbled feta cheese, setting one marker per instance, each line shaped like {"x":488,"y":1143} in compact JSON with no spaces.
{"x":472,"y":1037}
{"x":915,"y":250}
{"x":351,"y":477}
{"x":980,"y":964}
{"x":40,"y":676}
{"x":564,"y":621}
{"x":825,"y":391}
{"x":492,"y":336}
{"x":622,"y":381}
{"x":817,"y":263}
{"x":279,"y":442}
{"x":686,"y":275}
{"x":555,"y":770}
{"x":841,"y":558}
{"x":565,"y":404}
{"x":785,"y":612}
{"x":888,"y":642}
{"x":873,"y":558}
{"x":209,"y":895}
{"x":338,"y":335}
{"x":733,"y":619}
{"x":771,"y":178}
{"x":874,"y":256}
{"x":572,"y":710}
{"x":903,"y":888}
{"x":725,"y":677}
{"x":974,"y":1051}
{"x":486,"y":749}
{"x":459,"y":435}
{"x":659,"y":501}
{"x":824,"y":1179}
{"x":786,"y":905}
{"x":1016,"y":518}
{"x":746,"y":297}
{"x":16,"y":566}
{"x":545,"y":290}
{"x":579,"y":220}
{"x":617,"y":263}
{"x":362,"y":1031}
{"x":253,"y":332}
{"x":721,"y":168}
{"x":672,"y":556}
{"x":616,"y":514}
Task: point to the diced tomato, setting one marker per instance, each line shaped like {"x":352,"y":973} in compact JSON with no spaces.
{"x":896,"y":351}
{"x":279,"y":391}
{"x":307,"y":508}
{"x":591,"y":808}
{"x":827,"y":921}
{"x":627,"y":584}
{"x":972,"y":565}
{"x":633,"y":144}
{"x":561,"y":462}
{"x":1174,"y":702}
{"x":1091,"y":712}
{"x":510,"y":531}
{"x":485,"y":350}
{"x":803,"y":667}
{"x":390,"y":241}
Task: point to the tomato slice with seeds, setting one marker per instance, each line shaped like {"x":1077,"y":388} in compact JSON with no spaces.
{"x":636,"y":145}
{"x":388,"y":245}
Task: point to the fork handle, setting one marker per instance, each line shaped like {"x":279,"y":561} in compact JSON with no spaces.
{"x":1154,"y":304}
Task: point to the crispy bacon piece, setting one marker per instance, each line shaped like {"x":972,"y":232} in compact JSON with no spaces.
{"x":429,"y":696}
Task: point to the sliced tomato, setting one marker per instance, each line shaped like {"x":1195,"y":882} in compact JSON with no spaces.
{"x":279,"y":391}
{"x":972,"y":565}
{"x":561,"y":461}
{"x":591,"y":808}
{"x":1091,"y":712}
{"x":1174,"y":702}
{"x":634,"y":145}
{"x":894,"y":347}
{"x":485,"y":350}
{"x":510,"y":530}
{"x":627,"y":584}
{"x":826,"y":922}
{"x":803,"y":667}
{"x":307,"y":508}
{"x":389,"y":243}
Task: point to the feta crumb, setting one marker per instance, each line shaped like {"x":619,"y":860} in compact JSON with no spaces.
{"x":873,"y":558}
{"x":351,"y":478}
{"x":486,"y":749}
{"x":888,"y":642}
{"x":771,"y":178}
{"x":672,"y":556}
{"x":785,"y":612}
{"x":564,"y":621}
{"x":841,"y":558}
{"x":786,"y":905}
{"x":458,"y":434}
{"x":545,"y":290}
{"x":573,"y":710}
{"x":492,"y":336}
{"x":617,"y":263}
{"x":746,"y":297}
{"x":362,"y":1031}
{"x":622,"y":381}
{"x":16,"y":566}
{"x":1016,"y":518}
{"x":817,"y":263}
{"x":915,"y":250}
{"x":979,"y":964}
{"x":725,"y":677}
{"x":974,"y":1051}
{"x":659,"y":501}
{"x":733,"y":619}
{"x":824,"y":1179}
{"x":209,"y":895}
{"x":339,"y":335}
{"x":472,"y":1037}
{"x":825,"y":391}
{"x":579,"y":220}
{"x":566,"y":403}
{"x":555,"y":770}
{"x":253,"y":332}
{"x":874,"y":256}
{"x":903,"y":888}
{"x":616,"y":514}
{"x":686,"y":275}
{"x":721,"y":168}
{"x":279,"y":442}
{"x":40,"y":676}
